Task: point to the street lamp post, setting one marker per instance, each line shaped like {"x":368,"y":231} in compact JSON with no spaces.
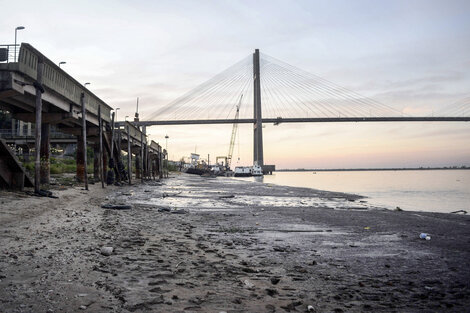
{"x":16,"y":30}
{"x":86,"y":84}
{"x":166,"y":144}
{"x":62,"y":62}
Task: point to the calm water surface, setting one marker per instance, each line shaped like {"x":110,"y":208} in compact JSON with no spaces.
{"x":434,"y":190}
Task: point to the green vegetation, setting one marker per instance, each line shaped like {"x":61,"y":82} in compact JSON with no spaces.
{"x":59,"y":166}
{"x":172,"y":167}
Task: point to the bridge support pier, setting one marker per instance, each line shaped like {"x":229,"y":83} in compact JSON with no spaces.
{"x":81,"y":170}
{"x":45,"y":169}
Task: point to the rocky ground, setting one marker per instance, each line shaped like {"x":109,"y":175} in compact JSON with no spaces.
{"x":194,"y":244}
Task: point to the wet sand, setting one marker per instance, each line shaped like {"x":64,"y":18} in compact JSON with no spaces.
{"x":194,"y":244}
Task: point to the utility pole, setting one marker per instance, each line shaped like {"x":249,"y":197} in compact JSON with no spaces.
{"x":258,"y":125}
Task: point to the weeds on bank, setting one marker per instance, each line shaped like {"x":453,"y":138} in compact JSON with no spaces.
{"x":59,"y":166}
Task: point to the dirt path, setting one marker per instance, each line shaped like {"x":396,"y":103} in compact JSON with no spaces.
{"x":193,"y":244}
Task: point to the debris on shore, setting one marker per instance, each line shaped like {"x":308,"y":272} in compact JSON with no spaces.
{"x":179,"y":246}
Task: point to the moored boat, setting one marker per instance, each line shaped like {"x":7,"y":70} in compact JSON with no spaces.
{"x":242,"y":171}
{"x":256,"y":170}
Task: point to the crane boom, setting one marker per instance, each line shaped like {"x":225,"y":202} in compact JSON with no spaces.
{"x":234,"y":133}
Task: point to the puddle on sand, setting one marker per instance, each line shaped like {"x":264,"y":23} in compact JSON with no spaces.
{"x":206,"y":200}
{"x":195,"y":194}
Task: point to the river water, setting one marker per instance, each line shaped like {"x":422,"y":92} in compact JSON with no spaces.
{"x":428,"y":190}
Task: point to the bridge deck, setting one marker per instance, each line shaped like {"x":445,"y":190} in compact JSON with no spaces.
{"x":306,"y":120}
{"x":61,"y":99}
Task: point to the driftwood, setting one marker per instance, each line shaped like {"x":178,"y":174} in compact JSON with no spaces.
{"x":45,"y":193}
{"x":116,"y":206}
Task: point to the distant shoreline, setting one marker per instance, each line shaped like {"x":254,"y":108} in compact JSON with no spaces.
{"x":373,"y":169}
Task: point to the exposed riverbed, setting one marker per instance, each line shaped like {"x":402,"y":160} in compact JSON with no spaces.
{"x":193,"y":244}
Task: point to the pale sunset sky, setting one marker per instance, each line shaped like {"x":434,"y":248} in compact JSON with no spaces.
{"x":413,"y":56}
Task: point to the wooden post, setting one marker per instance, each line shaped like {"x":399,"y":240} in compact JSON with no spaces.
{"x":112,"y":135}
{"x":96,"y":161}
{"x":105,"y":166}
{"x":166,"y":164}
{"x":79,"y":159}
{"x":37,"y":161}
{"x":147,"y":161}
{"x":160,"y":163}
{"x":112,"y":160}
{"x":100,"y":125}
{"x":118,"y":156}
{"x":137,"y":165}
{"x":129,"y":154}
{"x":142,"y":156}
{"x":149,"y":166}
{"x":45,"y":154}
{"x":82,"y":103}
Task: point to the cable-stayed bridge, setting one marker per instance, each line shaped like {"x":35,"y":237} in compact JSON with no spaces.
{"x":272,"y":91}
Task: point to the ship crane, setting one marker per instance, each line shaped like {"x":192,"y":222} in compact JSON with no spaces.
{"x":234,"y":133}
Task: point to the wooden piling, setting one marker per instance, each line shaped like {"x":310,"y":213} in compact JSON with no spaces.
{"x":96,"y":161}
{"x":118,"y":156}
{"x":37,"y":162}
{"x":112,"y":160}
{"x":100,"y":123}
{"x":81,"y":172}
{"x":129,"y":155}
{"x":45,"y":152}
{"x":85,"y":173}
{"x":142,"y":156}
{"x":112,"y":135}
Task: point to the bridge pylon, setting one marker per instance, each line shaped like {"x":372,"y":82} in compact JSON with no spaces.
{"x":258,"y":118}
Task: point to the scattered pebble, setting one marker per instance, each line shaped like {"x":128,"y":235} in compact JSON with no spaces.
{"x":107,"y":251}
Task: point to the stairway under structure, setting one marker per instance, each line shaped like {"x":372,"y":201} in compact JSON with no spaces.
{"x":12,"y":173}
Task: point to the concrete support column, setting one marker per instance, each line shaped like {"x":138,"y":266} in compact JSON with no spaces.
{"x":258,"y":125}
{"x":45,"y":153}
{"x":80,"y":160}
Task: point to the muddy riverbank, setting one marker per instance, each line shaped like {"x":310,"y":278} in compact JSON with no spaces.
{"x":193,"y":244}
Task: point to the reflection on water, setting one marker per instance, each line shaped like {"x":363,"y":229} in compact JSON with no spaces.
{"x":433,"y":190}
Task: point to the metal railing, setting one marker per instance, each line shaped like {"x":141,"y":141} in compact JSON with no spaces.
{"x":7,"y":53}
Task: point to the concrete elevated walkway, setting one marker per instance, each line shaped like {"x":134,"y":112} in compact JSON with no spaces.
{"x":62,"y":99}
